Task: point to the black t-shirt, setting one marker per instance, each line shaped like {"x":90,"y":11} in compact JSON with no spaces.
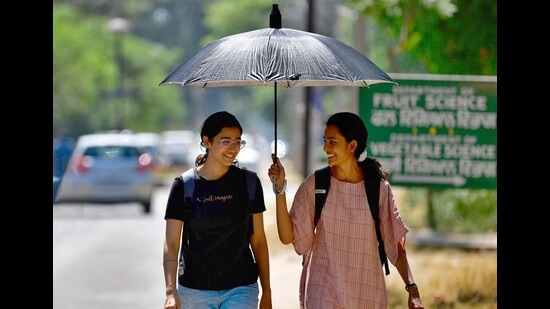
{"x":215,"y":238}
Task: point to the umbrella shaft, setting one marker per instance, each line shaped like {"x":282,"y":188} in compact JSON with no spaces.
{"x":275,"y":121}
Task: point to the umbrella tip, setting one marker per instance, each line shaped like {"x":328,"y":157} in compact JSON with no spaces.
{"x":275,"y":17}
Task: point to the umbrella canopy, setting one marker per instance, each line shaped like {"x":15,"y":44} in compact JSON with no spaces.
{"x":288,"y":57}
{"x":276,"y":56}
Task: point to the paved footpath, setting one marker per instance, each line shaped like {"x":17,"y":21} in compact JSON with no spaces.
{"x":285,"y":268}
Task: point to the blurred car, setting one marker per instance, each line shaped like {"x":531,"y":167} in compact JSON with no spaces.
{"x":150,"y":142}
{"x":177,"y":146}
{"x":108,"y":168}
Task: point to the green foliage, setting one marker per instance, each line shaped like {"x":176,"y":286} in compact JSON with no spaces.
{"x":454,"y":210}
{"x":225,"y":18}
{"x":446,"y":36}
{"x":458,"y":45}
{"x":73,"y":83}
{"x":86,"y":77}
{"x":465,"y":211}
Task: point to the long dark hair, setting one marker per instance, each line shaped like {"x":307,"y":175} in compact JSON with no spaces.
{"x":352,"y":127}
{"x":213,"y":125}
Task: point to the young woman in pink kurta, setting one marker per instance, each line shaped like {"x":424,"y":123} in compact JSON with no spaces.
{"x":342,"y":268}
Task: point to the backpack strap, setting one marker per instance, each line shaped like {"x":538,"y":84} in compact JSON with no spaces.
{"x":322,"y":184}
{"x":188,"y":191}
{"x":251,"y":188}
{"x":250,"y":185}
{"x":373,"y":196}
{"x":189,"y":177}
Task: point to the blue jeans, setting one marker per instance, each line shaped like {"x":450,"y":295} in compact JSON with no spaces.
{"x":241,"y":297}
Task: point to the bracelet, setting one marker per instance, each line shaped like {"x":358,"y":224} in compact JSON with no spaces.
{"x":282,"y":190}
{"x":409,"y":285}
{"x":163,"y":263}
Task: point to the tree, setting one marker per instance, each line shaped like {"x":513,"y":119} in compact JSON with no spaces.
{"x":446,"y":36}
{"x":86,"y":75}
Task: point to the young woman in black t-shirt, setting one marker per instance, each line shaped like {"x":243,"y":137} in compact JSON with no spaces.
{"x":224,"y":252}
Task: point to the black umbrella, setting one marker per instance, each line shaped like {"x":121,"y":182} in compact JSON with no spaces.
{"x":276,"y":56}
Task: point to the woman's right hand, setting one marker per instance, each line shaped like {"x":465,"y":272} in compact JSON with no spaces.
{"x":172,"y":302}
{"x":276,"y":172}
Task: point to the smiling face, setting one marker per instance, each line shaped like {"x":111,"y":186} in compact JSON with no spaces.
{"x":338,"y":150}
{"x":220,"y":153}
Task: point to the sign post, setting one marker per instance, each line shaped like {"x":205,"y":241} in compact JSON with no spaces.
{"x":434,"y":131}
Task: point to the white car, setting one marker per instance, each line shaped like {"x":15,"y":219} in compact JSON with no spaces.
{"x":108,"y":168}
{"x":180,"y":149}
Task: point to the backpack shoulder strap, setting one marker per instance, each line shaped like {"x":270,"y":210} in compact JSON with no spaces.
{"x":188,"y":191}
{"x":250,"y":178}
{"x":322,"y":184}
{"x":188,"y":185}
{"x":189,"y":177}
{"x":373,"y":196}
{"x":372,"y":187}
{"x":250,"y":184}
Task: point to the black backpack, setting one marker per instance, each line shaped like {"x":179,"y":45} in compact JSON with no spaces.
{"x":322,"y":184}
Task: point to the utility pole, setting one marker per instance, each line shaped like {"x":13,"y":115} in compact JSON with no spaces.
{"x":307,"y":114}
{"x":119,"y":27}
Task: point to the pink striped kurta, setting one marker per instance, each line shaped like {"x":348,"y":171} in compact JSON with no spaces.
{"x":342,"y":267}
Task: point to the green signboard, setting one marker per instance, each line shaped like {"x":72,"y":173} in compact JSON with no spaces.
{"x":434,"y":130}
